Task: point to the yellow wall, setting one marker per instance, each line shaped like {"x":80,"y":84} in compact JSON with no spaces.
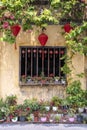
{"x":9,"y":65}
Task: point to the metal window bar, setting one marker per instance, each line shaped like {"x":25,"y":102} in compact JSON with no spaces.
{"x":26,"y":61}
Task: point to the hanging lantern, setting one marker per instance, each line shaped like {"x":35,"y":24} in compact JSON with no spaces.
{"x":43,"y":39}
{"x":67,"y":28}
{"x":15,"y":30}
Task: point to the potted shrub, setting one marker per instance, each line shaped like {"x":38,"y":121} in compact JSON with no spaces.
{"x":65,"y":104}
{"x":34,"y":106}
{"x":79,"y":118}
{"x":57,"y":118}
{"x":23,"y":111}
{"x":56,"y":78}
{"x":55,"y":102}
{"x":47,"y":105}
{"x":13,"y":113}
{"x":43,"y":117}
{"x":71,"y":114}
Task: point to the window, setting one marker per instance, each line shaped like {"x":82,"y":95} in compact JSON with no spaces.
{"x":37,"y":63}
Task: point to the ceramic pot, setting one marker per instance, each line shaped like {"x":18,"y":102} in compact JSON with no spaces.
{"x":79,"y":118}
{"x":54,"y":108}
{"x":14,"y":119}
{"x":47,"y":108}
{"x":43,"y":119}
{"x":71,"y":119}
{"x":22,"y":118}
{"x":80,"y":110}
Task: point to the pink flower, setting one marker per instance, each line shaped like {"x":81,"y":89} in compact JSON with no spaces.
{"x":5,"y":25}
{"x":12,"y":17}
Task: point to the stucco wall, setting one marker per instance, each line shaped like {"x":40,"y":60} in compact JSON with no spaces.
{"x":9,"y":65}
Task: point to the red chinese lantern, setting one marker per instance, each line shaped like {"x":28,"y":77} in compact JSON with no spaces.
{"x":15,"y":30}
{"x":67,"y":28}
{"x":43,"y":39}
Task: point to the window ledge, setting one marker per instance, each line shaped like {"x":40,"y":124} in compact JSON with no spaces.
{"x":42,"y":84}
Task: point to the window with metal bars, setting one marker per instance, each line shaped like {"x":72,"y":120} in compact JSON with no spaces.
{"x":37,"y":63}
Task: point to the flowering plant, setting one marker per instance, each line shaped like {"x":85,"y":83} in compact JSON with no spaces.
{"x":23,"y":110}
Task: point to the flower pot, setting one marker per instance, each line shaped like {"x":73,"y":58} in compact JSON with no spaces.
{"x":71,"y":119}
{"x":43,"y":119}
{"x":2,"y":120}
{"x":54,"y":108}
{"x":36,"y":119}
{"x":79,"y":118}
{"x":47,"y":108}
{"x":22,"y":118}
{"x":14,"y":119}
{"x":80,"y":110}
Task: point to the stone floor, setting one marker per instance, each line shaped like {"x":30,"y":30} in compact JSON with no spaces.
{"x":31,"y":126}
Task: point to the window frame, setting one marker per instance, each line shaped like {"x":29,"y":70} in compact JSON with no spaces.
{"x":39,"y":83}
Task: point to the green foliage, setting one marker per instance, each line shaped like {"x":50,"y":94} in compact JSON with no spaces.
{"x":8,"y":37}
{"x":74,"y":88}
{"x":11,"y":100}
{"x":76,"y":40}
{"x":27,"y":14}
{"x":56,"y":101}
{"x":33,"y":104}
{"x":76,"y":96}
{"x":66,"y":69}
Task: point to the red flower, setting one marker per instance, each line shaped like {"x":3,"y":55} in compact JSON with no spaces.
{"x":28,"y":109}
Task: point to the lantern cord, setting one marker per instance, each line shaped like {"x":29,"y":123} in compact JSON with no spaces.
{"x":43,"y":29}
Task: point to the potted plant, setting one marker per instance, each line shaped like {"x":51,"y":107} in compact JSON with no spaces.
{"x":65,"y":104}
{"x":43,"y":117}
{"x":23,"y":111}
{"x":56,"y":78}
{"x":71,"y":114}
{"x":13,"y":113}
{"x":34,"y":107}
{"x":57,"y":118}
{"x":79,"y":118}
{"x":47,"y":105}
{"x":55,"y":102}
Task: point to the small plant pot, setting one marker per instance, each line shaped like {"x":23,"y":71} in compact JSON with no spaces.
{"x":36,"y":119}
{"x":2,"y":120}
{"x":71,"y":119}
{"x":43,"y":119}
{"x":47,"y":108}
{"x":79,"y":118}
{"x":14,"y":119}
{"x":54,"y":108}
{"x":22,"y":118}
{"x":80,"y":110}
